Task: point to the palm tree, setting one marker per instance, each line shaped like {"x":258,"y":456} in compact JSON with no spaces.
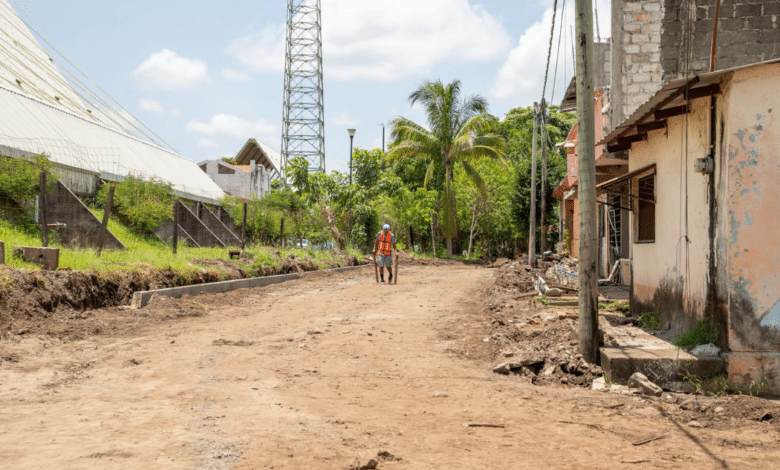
{"x":461,"y":132}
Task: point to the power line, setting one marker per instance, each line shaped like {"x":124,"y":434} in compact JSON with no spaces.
{"x":549,"y":49}
{"x":558,"y":53}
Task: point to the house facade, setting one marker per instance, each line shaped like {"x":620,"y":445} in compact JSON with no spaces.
{"x":703,"y":165}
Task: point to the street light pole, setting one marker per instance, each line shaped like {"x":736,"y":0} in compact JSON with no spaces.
{"x":349,"y":229}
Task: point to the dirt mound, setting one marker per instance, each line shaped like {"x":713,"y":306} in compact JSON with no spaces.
{"x":63,"y":303}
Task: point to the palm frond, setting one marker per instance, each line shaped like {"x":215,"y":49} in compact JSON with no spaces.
{"x":475,"y":178}
{"x":429,"y":173}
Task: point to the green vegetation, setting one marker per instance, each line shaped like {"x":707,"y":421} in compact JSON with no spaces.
{"x":143,"y":204}
{"x":20,"y":178}
{"x":701,"y":333}
{"x":721,"y":386}
{"x":650,"y":320}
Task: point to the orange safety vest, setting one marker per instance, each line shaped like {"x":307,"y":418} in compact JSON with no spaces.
{"x":385,"y":245}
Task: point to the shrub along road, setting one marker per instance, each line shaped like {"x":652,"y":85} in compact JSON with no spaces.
{"x":331,"y":371}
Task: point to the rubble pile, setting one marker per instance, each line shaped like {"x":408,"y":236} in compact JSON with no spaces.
{"x":538,"y":346}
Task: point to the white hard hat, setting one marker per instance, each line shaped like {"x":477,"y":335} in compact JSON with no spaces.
{"x":386,"y":227}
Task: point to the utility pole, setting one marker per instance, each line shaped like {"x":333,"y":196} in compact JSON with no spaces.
{"x":532,"y":221}
{"x":586,"y":181}
{"x":543,"y":193}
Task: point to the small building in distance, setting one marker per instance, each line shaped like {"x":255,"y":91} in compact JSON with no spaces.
{"x":250,"y":176}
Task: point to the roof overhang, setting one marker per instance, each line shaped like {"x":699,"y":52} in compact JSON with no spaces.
{"x":673,"y":99}
{"x":260,"y":153}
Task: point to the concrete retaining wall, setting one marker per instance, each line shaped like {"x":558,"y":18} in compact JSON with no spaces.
{"x":228,"y":237}
{"x":82,"y":228}
{"x":196,"y":229}
{"x":140,"y":299}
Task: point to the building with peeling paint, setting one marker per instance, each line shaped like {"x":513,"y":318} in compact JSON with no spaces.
{"x":703,"y":166}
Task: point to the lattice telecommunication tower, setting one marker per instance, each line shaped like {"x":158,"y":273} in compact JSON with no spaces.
{"x":303,"y":117}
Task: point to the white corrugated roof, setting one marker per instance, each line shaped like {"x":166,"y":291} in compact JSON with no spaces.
{"x":30,"y":125}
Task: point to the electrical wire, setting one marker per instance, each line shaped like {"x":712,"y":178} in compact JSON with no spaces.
{"x":558,"y":52}
{"x":549,"y":49}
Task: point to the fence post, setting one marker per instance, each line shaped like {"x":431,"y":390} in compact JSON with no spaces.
{"x":175,"y":226}
{"x":243,"y":230}
{"x":42,"y":212}
{"x":106,"y":215}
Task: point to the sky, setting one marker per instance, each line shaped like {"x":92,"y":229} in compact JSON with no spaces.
{"x":206,"y":76}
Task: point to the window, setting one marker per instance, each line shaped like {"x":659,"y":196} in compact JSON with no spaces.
{"x":645,"y":209}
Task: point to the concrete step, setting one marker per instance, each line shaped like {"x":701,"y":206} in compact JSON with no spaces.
{"x":664,"y":366}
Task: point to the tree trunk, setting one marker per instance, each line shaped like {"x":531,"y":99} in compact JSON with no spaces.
{"x":433,"y":234}
{"x":281,"y":233}
{"x":471,"y":230}
{"x":449,"y":248}
{"x":330,"y":218}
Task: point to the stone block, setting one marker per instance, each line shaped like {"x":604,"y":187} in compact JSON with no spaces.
{"x":649,"y":47}
{"x":640,"y":38}
{"x":48,"y":258}
{"x":746,"y":9}
{"x":2,"y":252}
{"x":760,"y":23}
{"x":772,"y":9}
{"x":702,"y":13}
{"x":661,"y":365}
{"x":732,"y":24}
{"x":753,"y":368}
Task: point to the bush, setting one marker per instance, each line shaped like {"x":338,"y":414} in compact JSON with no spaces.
{"x":144,"y":204}
{"x":702,"y":333}
{"x":20,"y":178}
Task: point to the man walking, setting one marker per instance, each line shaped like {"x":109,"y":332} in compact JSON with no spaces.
{"x":383,"y":252}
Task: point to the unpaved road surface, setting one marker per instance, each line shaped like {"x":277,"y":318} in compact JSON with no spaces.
{"x":330,"y":371}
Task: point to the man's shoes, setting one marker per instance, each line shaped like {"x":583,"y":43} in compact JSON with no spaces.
{"x":390,"y":279}
{"x":382,"y":281}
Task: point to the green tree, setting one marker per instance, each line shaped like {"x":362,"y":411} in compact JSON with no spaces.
{"x":461,"y":132}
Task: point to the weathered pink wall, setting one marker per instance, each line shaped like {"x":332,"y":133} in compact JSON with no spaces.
{"x":754,"y":215}
{"x":670,"y":274}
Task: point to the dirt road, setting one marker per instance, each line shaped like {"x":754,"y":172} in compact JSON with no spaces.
{"x":330,"y":371}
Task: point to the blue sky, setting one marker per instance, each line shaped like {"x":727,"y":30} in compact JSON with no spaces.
{"x":206,"y":76}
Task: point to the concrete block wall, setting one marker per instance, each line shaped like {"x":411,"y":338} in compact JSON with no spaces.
{"x":82,"y":228}
{"x":748,"y":32}
{"x":637,"y":64}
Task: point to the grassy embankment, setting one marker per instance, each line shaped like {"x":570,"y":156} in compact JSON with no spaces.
{"x":147,"y":251}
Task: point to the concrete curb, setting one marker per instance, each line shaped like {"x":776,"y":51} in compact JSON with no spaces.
{"x":141,"y":298}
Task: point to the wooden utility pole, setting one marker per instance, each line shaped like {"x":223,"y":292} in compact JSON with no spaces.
{"x":586,"y":182}
{"x":543,"y":177}
{"x":243,"y":229}
{"x":532,"y":220}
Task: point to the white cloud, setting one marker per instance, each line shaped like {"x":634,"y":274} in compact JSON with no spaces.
{"x":234,"y":127}
{"x":344,"y":120}
{"x":521,"y":77}
{"x":151,"y":106}
{"x":165,"y":70}
{"x":262,"y":51}
{"x":365,"y":40}
{"x":235,"y":75}
{"x":207,"y":143}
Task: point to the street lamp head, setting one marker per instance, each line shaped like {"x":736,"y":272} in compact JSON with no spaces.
{"x":351,"y":132}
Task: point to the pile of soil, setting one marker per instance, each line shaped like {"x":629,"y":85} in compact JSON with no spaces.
{"x":537,"y":345}
{"x":65,"y":303}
